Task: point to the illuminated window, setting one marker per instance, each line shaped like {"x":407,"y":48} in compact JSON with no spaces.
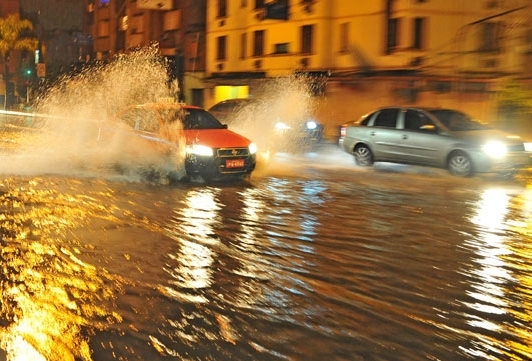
{"x":103,"y":28}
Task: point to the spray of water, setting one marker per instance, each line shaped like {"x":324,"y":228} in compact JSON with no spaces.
{"x":71,"y":133}
{"x":66,"y":135}
{"x":276,"y":117}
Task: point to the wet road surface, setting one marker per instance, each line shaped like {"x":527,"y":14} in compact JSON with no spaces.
{"x":313,"y":259}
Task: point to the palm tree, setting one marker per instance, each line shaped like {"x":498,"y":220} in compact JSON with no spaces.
{"x":12,"y":38}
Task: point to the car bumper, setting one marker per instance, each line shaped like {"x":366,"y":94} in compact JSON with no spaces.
{"x":219,"y":168}
{"x":513,"y":161}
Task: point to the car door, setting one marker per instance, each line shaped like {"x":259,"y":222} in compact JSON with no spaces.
{"x":421,"y":140}
{"x":384,"y":137}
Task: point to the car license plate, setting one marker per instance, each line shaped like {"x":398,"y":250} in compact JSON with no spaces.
{"x":234,"y":163}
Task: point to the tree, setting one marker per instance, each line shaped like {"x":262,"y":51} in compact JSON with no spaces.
{"x":12,"y":37}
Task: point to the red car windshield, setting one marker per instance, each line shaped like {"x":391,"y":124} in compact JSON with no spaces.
{"x":199,"y":119}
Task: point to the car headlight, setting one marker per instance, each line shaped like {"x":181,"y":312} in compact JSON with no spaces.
{"x":528,"y":146}
{"x":311,"y":125}
{"x":495,"y":149}
{"x":252,"y":148}
{"x":281,"y":126}
{"x":198,"y":149}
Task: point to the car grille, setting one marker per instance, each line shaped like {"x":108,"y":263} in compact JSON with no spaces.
{"x":516,"y":147}
{"x":233,"y":152}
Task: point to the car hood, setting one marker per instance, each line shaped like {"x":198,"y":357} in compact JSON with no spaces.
{"x":216,"y":138}
{"x":487,"y":134}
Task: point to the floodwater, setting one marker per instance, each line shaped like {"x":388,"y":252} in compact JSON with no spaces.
{"x":312,"y":259}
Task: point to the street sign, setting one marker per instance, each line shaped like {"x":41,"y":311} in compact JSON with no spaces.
{"x":41,"y":70}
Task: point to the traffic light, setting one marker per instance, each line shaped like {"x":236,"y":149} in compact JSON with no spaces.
{"x":27,"y":71}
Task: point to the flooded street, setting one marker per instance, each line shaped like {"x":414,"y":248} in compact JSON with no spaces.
{"x":313,"y":259}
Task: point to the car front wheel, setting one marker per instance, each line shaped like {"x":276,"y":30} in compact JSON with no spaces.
{"x":460,"y":164}
{"x":363,"y":155}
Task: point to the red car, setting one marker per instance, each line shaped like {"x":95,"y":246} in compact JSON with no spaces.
{"x":211,"y":150}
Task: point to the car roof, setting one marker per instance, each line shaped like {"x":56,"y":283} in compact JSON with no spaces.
{"x":236,"y":100}
{"x":425,"y":108}
{"x":161,"y":105}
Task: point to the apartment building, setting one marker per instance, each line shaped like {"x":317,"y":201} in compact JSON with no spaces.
{"x":177,"y":26}
{"x":372,"y":52}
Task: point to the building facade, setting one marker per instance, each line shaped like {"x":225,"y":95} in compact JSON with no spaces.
{"x":58,"y":25}
{"x":177,"y":26}
{"x":361,"y":54}
{"x":373,"y":53}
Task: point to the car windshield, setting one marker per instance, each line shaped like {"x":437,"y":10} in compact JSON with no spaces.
{"x":195,"y":118}
{"x":456,"y":121}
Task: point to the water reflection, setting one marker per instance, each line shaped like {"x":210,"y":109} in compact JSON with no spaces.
{"x":493,"y":279}
{"x":49,"y":296}
{"x":191,"y":267}
{"x":242,"y":250}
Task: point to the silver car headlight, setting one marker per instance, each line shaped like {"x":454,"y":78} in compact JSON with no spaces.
{"x":495,"y":149}
{"x":311,"y":125}
{"x":198,"y":149}
{"x":252,"y":148}
{"x":281,"y":126}
{"x":528,"y":146}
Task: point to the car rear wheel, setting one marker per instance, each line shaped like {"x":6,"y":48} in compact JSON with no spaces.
{"x":363,"y":155}
{"x":460,"y":164}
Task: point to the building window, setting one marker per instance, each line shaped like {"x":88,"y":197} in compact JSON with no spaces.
{"x":243,"y":45}
{"x":392,"y":35}
{"x":258,"y":43}
{"x":136,"y":24}
{"x":528,"y":41}
{"x":419,"y":31}
{"x":221,"y":48}
{"x":281,"y":48}
{"x":490,"y":37}
{"x":259,"y":4}
{"x":222,"y":8}
{"x":344,"y":37}
{"x":306,"y":39}
{"x":103,"y":28}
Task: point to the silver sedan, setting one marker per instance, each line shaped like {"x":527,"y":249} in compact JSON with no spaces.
{"x":436,"y":137}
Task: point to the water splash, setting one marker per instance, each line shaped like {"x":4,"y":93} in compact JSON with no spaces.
{"x":276,"y":117}
{"x":71,"y":114}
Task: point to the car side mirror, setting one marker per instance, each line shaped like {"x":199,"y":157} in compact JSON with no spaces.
{"x":225,"y":126}
{"x":430,"y":128}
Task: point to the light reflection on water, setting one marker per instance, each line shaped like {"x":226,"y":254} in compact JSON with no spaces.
{"x":284,"y":269}
{"x":493,"y":280}
{"x":46,"y":289}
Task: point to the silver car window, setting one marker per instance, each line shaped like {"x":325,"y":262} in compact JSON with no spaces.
{"x":416,"y":120}
{"x":457,"y":121}
{"x":386,"y":118}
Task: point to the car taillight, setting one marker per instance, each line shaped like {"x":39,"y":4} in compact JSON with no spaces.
{"x":343,"y":131}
